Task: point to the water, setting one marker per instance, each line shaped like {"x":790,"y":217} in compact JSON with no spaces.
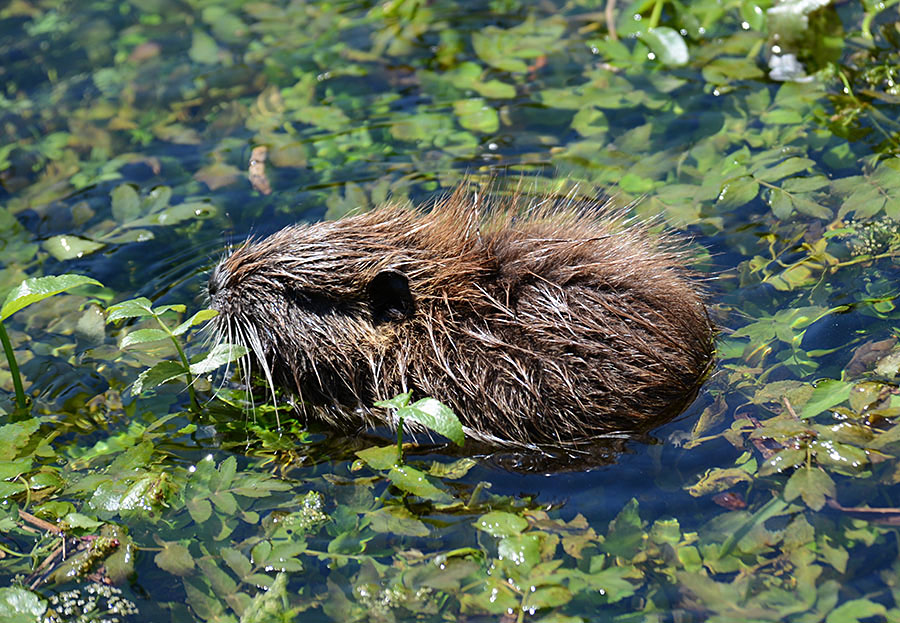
{"x":357,"y":103}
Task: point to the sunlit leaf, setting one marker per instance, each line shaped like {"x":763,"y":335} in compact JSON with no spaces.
{"x":133,"y":308}
{"x":668,"y":46}
{"x":18,"y":605}
{"x":436,"y":416}
{"x":38,"y":288}
{"x":501,"y":524}
{"x":218,"y":357}
{"x":417,"y":483}
{"x":70,"y":247}
{"x":142,"y":336}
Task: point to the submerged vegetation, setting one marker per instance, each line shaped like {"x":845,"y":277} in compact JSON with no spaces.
{"x":142,"y":137}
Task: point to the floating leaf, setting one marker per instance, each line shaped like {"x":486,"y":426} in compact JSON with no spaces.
{"x":417,"y":483}
{"x":476,"y":115}
{"x":668,"y":46}
{"x":380,"y":458}
{"x":501,"y":524}
{"x":70,"y":247}
{"x":126,"y":205}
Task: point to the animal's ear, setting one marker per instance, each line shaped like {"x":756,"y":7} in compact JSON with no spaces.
{"x":389,"y":297}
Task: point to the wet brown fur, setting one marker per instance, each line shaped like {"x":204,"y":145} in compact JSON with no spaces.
{"x":537,"y":321}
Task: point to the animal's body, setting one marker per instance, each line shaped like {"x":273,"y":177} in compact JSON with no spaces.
{"x":538,"y":321}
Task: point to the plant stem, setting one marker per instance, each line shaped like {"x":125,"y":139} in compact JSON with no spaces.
{"x":189,"y":379}
{"x":195,"y":406}
{"x":400,"y":441}
{"x":21,"y":402}
{"x":656,"y":14}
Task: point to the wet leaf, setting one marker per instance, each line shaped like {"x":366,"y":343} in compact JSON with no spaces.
{"x":668,"y":46}
{"x":501,"y":524}
{"x":39,"y":288}
{"x":126,"y":205}
{"x":522,"y":550}
{"x":380,"y":458}
{"x":397,"y":520}
{"x":70,"y":247}
{"x":476,"y":115}
{"x":436,"y":416}
{"x":18,"y":605}
{"x":220,"y":355}
{"x":417,"y":483}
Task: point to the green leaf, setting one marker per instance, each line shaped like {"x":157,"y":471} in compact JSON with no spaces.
{"x":133,"y":308}
{"x":827,"y":394}
{"x":126,"y":205}
{"x":77,"y":520}
{"x":16,"y":436}
{"x":176,"y":214}
{"x":546,"y":597}
{"x":523,"y":550}
{"x":436,"y":416}
{"x":667,"y":44}
{"x":501,"y":524}
{"x":782,"y":461}
{"x":380,"y":458}
{"x":143,"y":336}
{"x":855,"y":610}
{"x":418,"y":483}
{"x":398,"y":401}
{"x":477,"y":115}
{"x":625,"y":532}
{"x":161,"y":373}
{"x":784,"y":169}
{"x":39,"y":288}
{"x":199,"y":318}
{"x":812,"y":484}
{"x":70,"y":247}
{"x":217,"y":357}
{"x":18,"y":605}
{"x":397,"y":520}
{"x":269,"y":606}
{"x":737,"y":192}
{"x":204,"y":49}
{"x":175,"y":558}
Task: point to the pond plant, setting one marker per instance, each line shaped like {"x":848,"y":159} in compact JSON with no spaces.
{"x":141,"y":479}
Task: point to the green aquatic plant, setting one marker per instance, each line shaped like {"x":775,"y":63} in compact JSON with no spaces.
{"x":428,"y":413}
{"x":28,"y":292}
{"x":869,"y":238}
{"x":166,"y":370}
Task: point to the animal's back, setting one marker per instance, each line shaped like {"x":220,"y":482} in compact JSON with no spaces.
{"x":537,"y":323}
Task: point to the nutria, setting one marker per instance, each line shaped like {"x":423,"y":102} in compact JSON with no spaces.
{"x":538,"y":320}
